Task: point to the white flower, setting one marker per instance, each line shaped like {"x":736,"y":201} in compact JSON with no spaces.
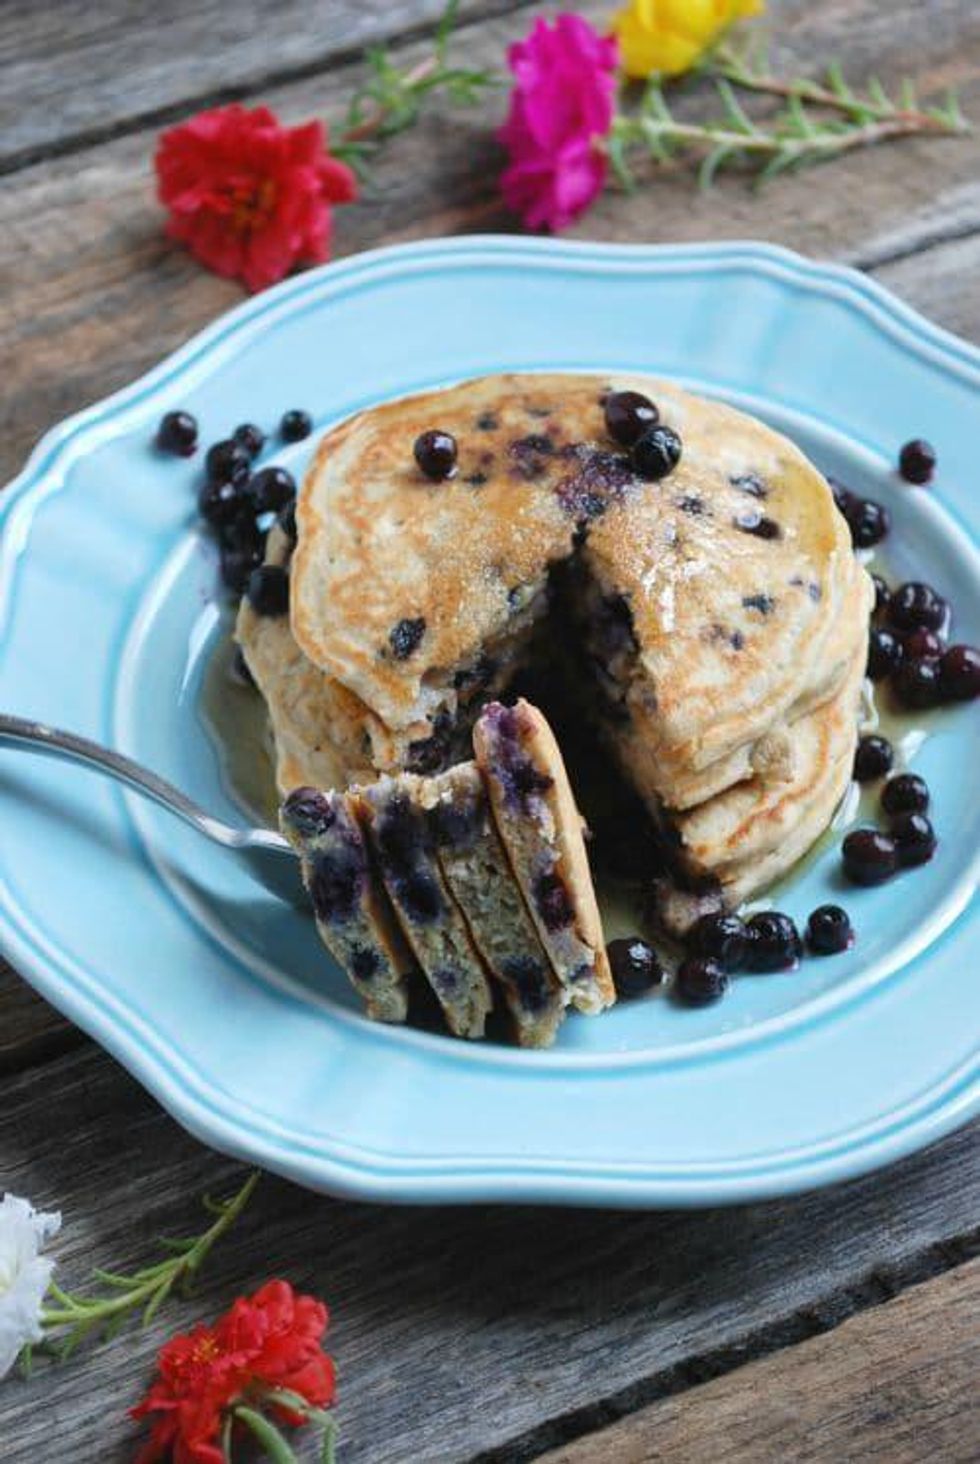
{"x":24,"y":1275}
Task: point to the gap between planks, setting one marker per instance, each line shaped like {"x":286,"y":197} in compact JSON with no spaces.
{"x":898,"y":1384}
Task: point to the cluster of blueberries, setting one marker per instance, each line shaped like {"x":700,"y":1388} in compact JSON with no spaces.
{"x":632,"y":421}
{"x":871,"y":856}
{"x":719,"y":945}
{"x":240,"y":502}
{"x":868,"y":520}
{"x":908,"y":648}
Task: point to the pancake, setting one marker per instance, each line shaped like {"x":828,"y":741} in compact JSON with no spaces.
{"x":541,"y":828}
{"x":734,"y":846}
{"x":477,"y":871}
{"x":354,"y":919}
{"x":729,"y":569}
{"x":401,"y":838}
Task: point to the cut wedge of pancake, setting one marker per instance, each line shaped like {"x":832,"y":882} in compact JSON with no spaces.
{"x":541,"y":828}
{"x":398,"y":828}
{"x":353,"y":916}
{"x":479,"y":875}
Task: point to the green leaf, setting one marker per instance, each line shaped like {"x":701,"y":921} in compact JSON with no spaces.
{"x":734,"y":110}
{"x":266,"y":1434}
{"x":712,"y":162}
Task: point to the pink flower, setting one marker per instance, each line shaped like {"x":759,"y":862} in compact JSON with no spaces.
{"x":560,"y":108}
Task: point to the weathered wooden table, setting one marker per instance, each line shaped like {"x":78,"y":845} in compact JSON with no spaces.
{"x":841,"y":1325}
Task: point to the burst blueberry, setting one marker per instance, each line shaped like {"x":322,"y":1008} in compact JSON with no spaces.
{"x":406,"y":636}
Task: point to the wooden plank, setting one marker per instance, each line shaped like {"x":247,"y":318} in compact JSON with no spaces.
{"x":899,"y":1383}
{"x":91,"y":293}
{"x":30,"y":1030}
{"x":75,"y":73}
{"x":459,"y":1331}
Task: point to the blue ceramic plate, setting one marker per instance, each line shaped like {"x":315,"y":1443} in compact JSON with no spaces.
{"x":223,"y":1003}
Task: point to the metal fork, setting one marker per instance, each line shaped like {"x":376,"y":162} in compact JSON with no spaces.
{"x":262,"y":853}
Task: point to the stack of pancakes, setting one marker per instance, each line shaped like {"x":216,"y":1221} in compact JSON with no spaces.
{"x":716,"y":620}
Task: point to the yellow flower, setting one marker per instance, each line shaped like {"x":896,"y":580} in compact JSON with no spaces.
{"x":669,"y":36}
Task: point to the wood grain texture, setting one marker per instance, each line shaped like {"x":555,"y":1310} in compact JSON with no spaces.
{"x":899,"y":1384}
{"x":455,"y":1331}
{"x":91,"y":293}
{"x":76,"y":73}
{"x":30,"y":1030}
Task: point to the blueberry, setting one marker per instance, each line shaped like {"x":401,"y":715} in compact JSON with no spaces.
{"x":758,"y":524}
{"x":309,"y":811}
{"x":272,"y":489}
{"x":959,"y":673}
{"x":872,"y":759}
{"x":869,"y":522}
{"x":774,"y":942}
{"x":221,"y":503}
{"x":628,"y":415}
{"x":914,"y":605}
{"x":882,"y":594}
{"x":249,"y":437}
{"x":915,"y":839}
{"x":923,"y":643}
{"x":553,"y":902}
{"x":829,"y":931}
{"x":435,"y":453}
{"x":236,"y":566}
{"x":699,"y":981}
{"x":635,"y":967}
{"x":295,"y":425}
{"x":722,"y":937}
{"x":363,"y":963}
{"x":885,"y":653}
{"x":405,"y":637}
{"x":905,"y":793}
{"x":869,"y":857}
{"x":917,"y":683}
{"x":177,"y":433}
{"x":917,"y":461}
{"x":656,"y":453}
{"x":227,"y":462}
{"x":242,"y":532}
{"x":268,"y":590}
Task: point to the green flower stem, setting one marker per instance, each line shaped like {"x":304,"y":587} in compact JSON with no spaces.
{"x":283,"y":1398}
{"x":266,"y":1433}
{"x":835,"y":94}
{"x":145,"y":1289}
{"x":793,"y":138}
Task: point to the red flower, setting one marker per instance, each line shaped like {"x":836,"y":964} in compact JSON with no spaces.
{"x":266,"y":1341}
{"x":249,"y":197}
